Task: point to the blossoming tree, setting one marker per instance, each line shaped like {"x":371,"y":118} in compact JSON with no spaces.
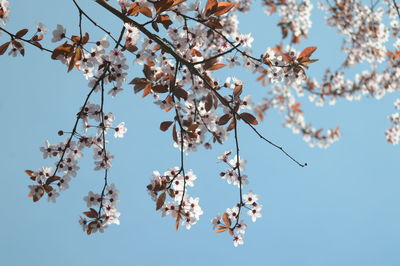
{"x":180,"y":45}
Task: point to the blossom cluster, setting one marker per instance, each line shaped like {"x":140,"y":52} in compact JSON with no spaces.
{"x":393,"y":133}
{"x":174,"y":182}
{"x":230,"y":220}
{"x":97,"y":221}
{"x":295,"y":17}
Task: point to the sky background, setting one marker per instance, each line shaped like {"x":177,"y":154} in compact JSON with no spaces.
{"x":343,"y":209}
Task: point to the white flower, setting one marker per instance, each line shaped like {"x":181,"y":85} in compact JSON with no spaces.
{"x":59,"y":33}
{"x":255,"y":212}
{"x":92,"y":199}
{"x":120,"y":130}
{"x":40,"y":28}
{"x":238,"y":240}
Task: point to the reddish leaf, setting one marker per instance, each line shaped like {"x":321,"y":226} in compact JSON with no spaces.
{"x":249,"y":118}
{"x":160,"y":201}
{"x":165,"y":125}
{"x":146,"y":11}
{"x":238,"y":90}
{"x":160,"y":88}
{"x":163,"y":5}
{"x":226,"y":219}
{"x":223,"y":7}
{"x":224,"y":119}
{"x":164,"y":20}
{"x":134,"y":9}
{"x":180,"y":93}
{"x":306,"y":53}
{"x":231,"y":125}
{"x":216,"y":67}
{"x":63,"y":49}
{"x":221,"y":229}
{"x":91,"y":214}
{"x":85,"y":38}
{"x":155,"y":26}
{"x":21,"y":33}
{"x":208,"y":102}
{"x":211,"y":7}
{"x":3,"y":47}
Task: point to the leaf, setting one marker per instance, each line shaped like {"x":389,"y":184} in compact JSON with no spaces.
{"x":147,"y":90}
{"x":134,"y":9}
{"x":52,"y":179}
{"x":155,"y":26}
{"x":226,"y":219}
{"x":30,"y":173}
{"x":163,"y":5}
{"x":193,"y":127}
{"x":223,"y":7}
{"x":211,"y":7}
{"x":63,"y":49}
{"x":147,"y":71}
{"x":146,"y":11}
{"x":3,"y":47}
{"x":249,"y":118}
{"x":208,"y":102}
{"x":224,"y":119}
{"x":221,"y":229}
{"x":91,"y":214}
{"x":85,"y":38}
{"x":77,"y":56}
{"x":140,"y":84}
{"x":164,"y":20}
{"x":21,"y":33}
{"x":238,"y":90}
{"x":306,"y":53}
{"x":160,"y":201}
{"x":165,"y":125}
{"x":216,"y":67}
{"x":231,"y":125}
{"x":180,"y":93}
{"x":174,"y":134}
{"x":160,"y":88}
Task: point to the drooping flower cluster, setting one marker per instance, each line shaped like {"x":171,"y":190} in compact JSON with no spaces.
{"x":174,"y":182}
{"x":230,"y":220}
{"x":393,"y":133}
{"x":97,"y":221}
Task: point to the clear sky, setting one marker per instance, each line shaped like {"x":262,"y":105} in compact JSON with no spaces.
{"x":343,"y":209}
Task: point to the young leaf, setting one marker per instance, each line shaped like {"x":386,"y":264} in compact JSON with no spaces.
{"x":91,"y":214}
{"x":224,"y":119}
{"x":226,"y":219}
{"x":216,"y":67}
{"x":3,"y":47}
{"x":146,"y":11}
{"x":21,"y":33}
{"x":221,"y":229}
{"x":306,"y":53}
{"x":249,"y":118}
{"x":211,"y":7}
{"x":160,"y":201}
{"x":223,"y":7}
{"x":165,"y":125}
{"x":208,"y":102}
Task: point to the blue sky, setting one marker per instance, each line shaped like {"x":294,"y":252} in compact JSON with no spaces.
{"x":343,"y":209}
